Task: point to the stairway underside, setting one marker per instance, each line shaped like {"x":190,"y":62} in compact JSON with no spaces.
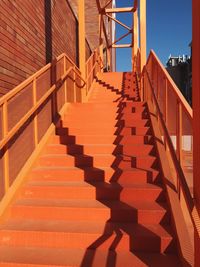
{"x":95,"y":195}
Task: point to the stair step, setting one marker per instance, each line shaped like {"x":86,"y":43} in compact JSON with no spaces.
{"x":101,"y":139}
{"x":98,"y":161}
{"x":132,"y":237}
{"x":94,"y":210}
{"x":95,"y":190}
{"x":130,"y":150}
{"x":132,"y":175}
{"x":40,"y":257}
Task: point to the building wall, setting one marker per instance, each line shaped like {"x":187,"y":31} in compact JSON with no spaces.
{"x":32,"y":33}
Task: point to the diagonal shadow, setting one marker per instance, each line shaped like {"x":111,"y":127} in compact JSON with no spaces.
{"x":124,"y":221}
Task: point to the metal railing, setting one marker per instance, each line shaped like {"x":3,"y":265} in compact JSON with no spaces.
{"x":93,"y":65}
{"x":174,"y":117}
{"x":27,"y":111}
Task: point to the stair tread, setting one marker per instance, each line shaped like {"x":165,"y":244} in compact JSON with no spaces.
{"x":44,"y":229}
{"x":80,"y":257}
{"x":91,"y":203}
{"x":83,"y":227}
{"x":96,"y":184}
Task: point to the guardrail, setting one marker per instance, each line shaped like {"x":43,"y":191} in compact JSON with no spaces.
{"x":174,"y":118}
{"x":27,"y":111}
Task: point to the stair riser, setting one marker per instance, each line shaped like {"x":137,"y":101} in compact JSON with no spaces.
{"x":100,"y":193}
{"x":133,"y":131}
{"x":94,"y":150}
{"x":74,"y":214}
{"x":130,"y":177}
{"x":76,"y":240}
{"x":56,"y":174}
{"x":87,"y":130}
{"x":97,"y":161}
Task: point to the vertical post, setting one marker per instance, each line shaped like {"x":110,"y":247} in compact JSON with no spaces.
{"x":5,"y":156}
{"x":74,"y":87}
{"x":179,"y":132}
{"x":35,"y":120}
{"x":143,"y":32}
{"x":101,"y":57}
{"x":81,"y":20}
{"x":135,"y":38}
{"x":196,"y":112}
{"x":65,"y":82}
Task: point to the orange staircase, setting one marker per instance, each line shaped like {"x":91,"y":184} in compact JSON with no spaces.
{"x":95,"y":195}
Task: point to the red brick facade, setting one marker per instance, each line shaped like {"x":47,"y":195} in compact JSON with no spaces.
{"x":31,"y":34}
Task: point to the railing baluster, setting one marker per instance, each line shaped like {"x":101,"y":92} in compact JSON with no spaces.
{"x":179,"y":132}
{"x":179,"y":139}
{"x":65,"y":82}
{"x":166,"y":109}
{"x":35,"y":120}
{"x":6,"y":153}
{"x":74,"y":86}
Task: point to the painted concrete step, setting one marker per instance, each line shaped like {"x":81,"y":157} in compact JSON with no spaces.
{"x":130,"y":236}
{"x":93,"y":210}
{"x":100,"y":149}
{"x":98,"y":161}
{"x":131,"y":175}
{"x":37,"y":257}
{"x":95,"y":190}
{"x":97,"y":129}
{"x":101,"y":139}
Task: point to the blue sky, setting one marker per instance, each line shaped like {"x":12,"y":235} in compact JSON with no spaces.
{"x":169,"y":29}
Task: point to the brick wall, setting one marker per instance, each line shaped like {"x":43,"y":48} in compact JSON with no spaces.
{"x":32,"y":33}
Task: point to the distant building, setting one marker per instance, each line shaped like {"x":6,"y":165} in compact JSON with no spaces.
{"x":180,"y":69}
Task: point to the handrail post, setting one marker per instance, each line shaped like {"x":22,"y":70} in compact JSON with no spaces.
{"x":65,"y":81}
{"x":135,"y":38}
{"x":6,"y":154}
{"x":143,"y":32}
{"x":166,"y":108}
{"x":82,"y":46}
{"x":35,"y":120}
{"x":74,"y":85}
{"x":179,"y":132}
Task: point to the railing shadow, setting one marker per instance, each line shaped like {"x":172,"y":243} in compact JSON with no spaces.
{"x":123,"y":216}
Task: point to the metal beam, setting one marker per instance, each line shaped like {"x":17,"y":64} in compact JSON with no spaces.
{"x":119,"y":10}
{"x":81,"y":28}
{"x":119,"y":22}
{"x":122,"y":37}
{"x":106,"y":4}
{"x":122,"y":45}
{"x":196,"y":112}
{"x":143,"y":32}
